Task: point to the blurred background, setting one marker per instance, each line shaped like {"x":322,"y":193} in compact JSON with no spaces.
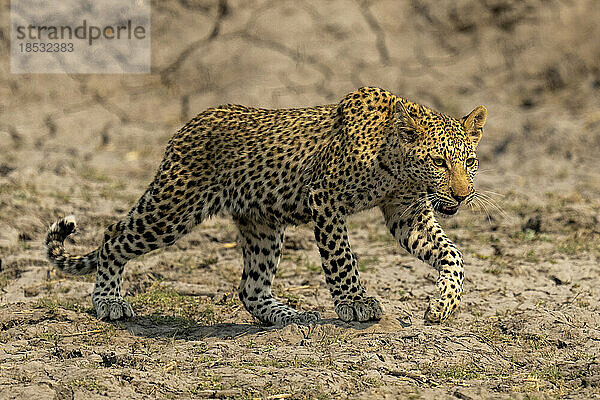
{"x":534,"y":64}
{"x":89,"y":144}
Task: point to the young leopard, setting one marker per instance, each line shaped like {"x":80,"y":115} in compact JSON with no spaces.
{"x":273,"y":168}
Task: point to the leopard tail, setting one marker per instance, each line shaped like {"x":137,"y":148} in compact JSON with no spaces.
{"x":60,"y":258}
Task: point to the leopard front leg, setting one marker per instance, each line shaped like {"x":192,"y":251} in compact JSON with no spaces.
{"x":350,"y":299}
{"x":420,"y":234}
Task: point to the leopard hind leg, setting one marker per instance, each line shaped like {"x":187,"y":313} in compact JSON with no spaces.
{"x":261,"y":249}
{"x":153,"y":223}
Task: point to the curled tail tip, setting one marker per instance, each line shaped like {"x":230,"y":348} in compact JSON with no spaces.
{"x":67,"y":225}
{"x":70,"y":219}
{"x":59,"y":257}
{"x":61,"y":229}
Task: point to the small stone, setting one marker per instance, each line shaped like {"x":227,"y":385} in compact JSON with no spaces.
{"x":373,"y":374}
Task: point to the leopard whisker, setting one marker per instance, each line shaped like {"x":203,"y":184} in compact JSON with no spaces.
{"x":489,"y":192}
{"x":482,"y":207}
{"x":411,"y":207}
{"x":494,"y":206}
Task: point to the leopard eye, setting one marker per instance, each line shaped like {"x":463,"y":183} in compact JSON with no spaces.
{"x":470,"y":161}
{"x":439,"y":162}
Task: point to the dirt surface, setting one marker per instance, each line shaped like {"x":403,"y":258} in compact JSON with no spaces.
{"x":88,"y":145}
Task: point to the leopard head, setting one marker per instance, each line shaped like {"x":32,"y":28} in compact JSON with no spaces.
{"x":439,"y":152}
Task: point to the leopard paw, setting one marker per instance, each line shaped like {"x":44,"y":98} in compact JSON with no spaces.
{"x":439,"y":310}
{"x":306,"y":317}
{"x":112,"y":308}
{"x":364,"y":309}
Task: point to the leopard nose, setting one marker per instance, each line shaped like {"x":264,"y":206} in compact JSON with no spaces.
{"x":458,"y":198}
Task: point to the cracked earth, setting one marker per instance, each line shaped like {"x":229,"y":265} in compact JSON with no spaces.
{"x":88,"y":145}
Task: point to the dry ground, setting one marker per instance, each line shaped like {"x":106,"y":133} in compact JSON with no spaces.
{"x":88,"y":145}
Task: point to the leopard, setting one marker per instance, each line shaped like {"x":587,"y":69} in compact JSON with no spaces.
{"x":268,"y":169}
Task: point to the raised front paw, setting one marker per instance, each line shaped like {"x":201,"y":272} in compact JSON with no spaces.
{"x":112,"y":308}
{"x":439,"y":310}
{"x":364,"y":309}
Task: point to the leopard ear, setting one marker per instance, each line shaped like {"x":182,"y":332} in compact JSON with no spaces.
{"x":405,"y":124}
{"x":474,"y":122}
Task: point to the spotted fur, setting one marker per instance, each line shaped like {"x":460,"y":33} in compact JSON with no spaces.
{"x":272,"y":168}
